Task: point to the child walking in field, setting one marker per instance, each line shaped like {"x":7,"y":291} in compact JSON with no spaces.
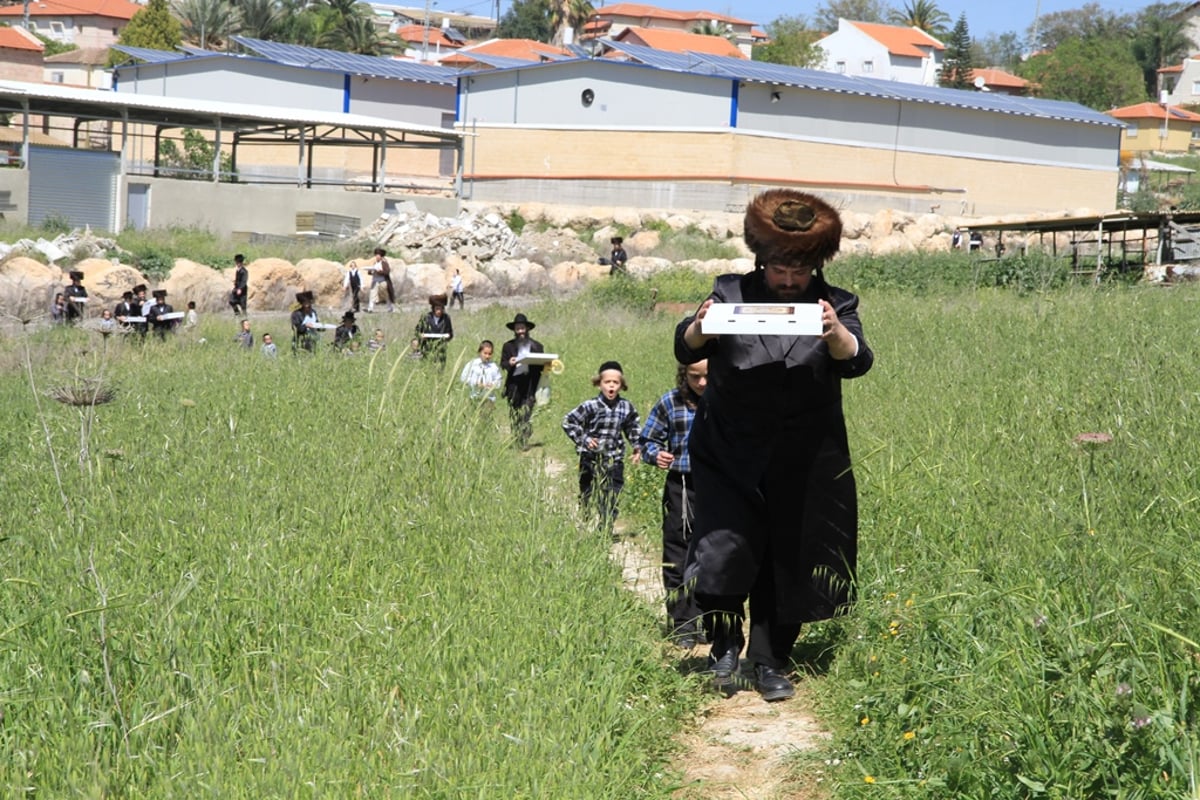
{"x":596,"y":427}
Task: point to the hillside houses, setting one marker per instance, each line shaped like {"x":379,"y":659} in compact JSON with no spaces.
{"x":887,"y":52}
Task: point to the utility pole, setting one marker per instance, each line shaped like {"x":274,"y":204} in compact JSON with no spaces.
{"x":425,"y":32}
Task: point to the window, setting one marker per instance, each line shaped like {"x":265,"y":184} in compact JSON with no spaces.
{"x":1131,"y":131}
{"x":841,"y":67}
{"x":868,"y":66}
{"x":1195,"y":87}
{"x":56,"y":77}
{"x":56,"y":26}
{"x":1196,"y":133}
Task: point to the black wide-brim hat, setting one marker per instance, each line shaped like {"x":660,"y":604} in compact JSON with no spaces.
{"x":348,"y":316}
{"x":159,"y":292}
{"x":75,"y":275}
{"x":304,"y":297}
{"x":519,"y":319}
{"x":141,"y":287}
{"x":787,"y":227}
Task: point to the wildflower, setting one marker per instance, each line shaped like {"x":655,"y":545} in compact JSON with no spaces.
{"x":868,"y":778}
{"x":187,"y":403}
{"x":1141,"y":716}
{"x":865,"y":721}
{"x":1124,"y":689}
{"x":910,"y":735}
{"x":1039,"y":620}
{"x":1093,"y":439}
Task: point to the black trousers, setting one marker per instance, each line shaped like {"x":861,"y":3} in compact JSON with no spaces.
{"x":601,"y":479}
{"x":771,"y":640}
{"x":677,"y":505}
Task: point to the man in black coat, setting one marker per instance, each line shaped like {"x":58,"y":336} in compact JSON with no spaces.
{"x":241,"y":282}
{"x":155,"y":316}
{"x":776,"y":504}
{"x":521,"y":380}
{"x":76,"y":296}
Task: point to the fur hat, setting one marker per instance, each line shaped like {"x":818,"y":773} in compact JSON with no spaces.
{"x":436,"y":300}
{"x":784,"y":226}
{"x":159,"y":293}
{"x":141,"y":287}
{"x":304,"y":297}
{"x":75,"y":275}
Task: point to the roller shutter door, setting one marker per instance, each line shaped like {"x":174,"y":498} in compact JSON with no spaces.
{"x":79,"y":186}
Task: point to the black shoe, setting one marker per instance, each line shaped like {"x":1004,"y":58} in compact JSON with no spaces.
{"x":724,"y":668}
{"x":772,"y":684}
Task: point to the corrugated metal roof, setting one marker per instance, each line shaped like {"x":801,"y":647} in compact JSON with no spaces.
{"x":186,"y":111}
{"x":150,"y":55}
{"x":819,"y":80}
{"x":314,"y":57}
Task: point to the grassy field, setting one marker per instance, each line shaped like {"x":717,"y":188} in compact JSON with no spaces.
{"x":333,"y":576}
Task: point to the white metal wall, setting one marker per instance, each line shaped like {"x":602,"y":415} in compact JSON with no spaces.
{"x":77,"y":185}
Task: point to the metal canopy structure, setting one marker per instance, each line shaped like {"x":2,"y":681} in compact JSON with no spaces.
{"x":241,"y":122}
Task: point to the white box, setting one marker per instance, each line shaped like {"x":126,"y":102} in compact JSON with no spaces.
{"x":759,"y":319}
{"x":538,"y":358}
{"x":435,"y":336}
{"x":170,"y":315}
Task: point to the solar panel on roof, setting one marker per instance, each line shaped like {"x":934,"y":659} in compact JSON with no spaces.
{"x":149,"y":55}
{"x":315,"y":58}
{"x":662,"y":59}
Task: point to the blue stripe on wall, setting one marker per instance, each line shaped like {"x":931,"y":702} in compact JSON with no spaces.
{"x":733,"y":103}
{"x":346,"y":93}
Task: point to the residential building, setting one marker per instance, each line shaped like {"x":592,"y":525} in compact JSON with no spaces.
{"x":1157,"y":127}
{"x":83,"y":66}
{"x":1181,"y":82}
{"x":20,"y":55}
{"x":994,"y":79}
{"x":674,"y":41}
{"x":886,"y":52}
{"x":85,"y":23}
{"x":610,"y":20}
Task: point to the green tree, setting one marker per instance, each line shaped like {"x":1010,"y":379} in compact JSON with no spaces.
{"x":1097,"y":72}
{"x":922,"y":14}
{"x":526,"y":19}
{"x":152,"y":27}
{"x":195,"y":161}
{"x":710,"y":27}
{"x":790,"y":42}
{"x":1002,"y":50}
{"x":261,"y":19}
{"x":1159,"y":40}
{"x":825,"y":18}
{"x":52,"y":47}
{"x":207,"y":23}
{"x":957,"y":70}
{"x":1051,"y":30}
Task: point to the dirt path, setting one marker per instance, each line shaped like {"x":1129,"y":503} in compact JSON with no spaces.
{"x":738,"y":747}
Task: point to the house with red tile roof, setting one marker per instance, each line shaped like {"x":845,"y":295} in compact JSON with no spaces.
{"x":679,"y":41}
{"x":86,"y":23}
{"x":20,"y":56}
{"x":476,"y":55}
{"x":610,"y":20}
{"x":997,"y":80}
{"x":1158,"y":127}
{"x":423,"y":43}
{"x":85,"y":67}
{"x":887,"y":52}
{"x":1181,"y":81}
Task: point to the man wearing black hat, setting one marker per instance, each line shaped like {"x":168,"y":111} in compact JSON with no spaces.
{"x":76,"y":296}
{"x":521,"y":380}
{"x":346,"y":332}
{"x":776,"y":504}
{"x":241,"y":280}
{"x":125,"y":308}
{"x":141,"y":307}
{"x":157,"y":310}
{"x":618,"y":258}
{"x":304,"y":324}
{"x":435,"y":330}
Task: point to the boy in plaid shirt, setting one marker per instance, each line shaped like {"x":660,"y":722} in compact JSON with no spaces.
{"x":596,"y":427}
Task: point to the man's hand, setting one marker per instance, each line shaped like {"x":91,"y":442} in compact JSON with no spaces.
{"x":664,"y":459}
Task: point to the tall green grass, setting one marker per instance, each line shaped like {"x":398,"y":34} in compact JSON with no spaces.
{"x":331,"y":576}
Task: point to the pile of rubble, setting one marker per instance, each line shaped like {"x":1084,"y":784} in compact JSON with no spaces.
{"x":78,"y":245}
{"x":414,"y":236}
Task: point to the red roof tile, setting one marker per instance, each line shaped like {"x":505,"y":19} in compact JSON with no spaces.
{"x":526,"y":49}
{"x":14,"y":39}
{"x":898,"y":40}
{"x":116,"y":9}
{"x":1153,"y":111}
{"x":642,"y":11}
{"x":998,"y":77}
{"x":680,"y":42}
{"x":415,"y":34}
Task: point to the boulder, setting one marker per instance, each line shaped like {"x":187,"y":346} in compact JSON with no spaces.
{"x":628,"y":217}
{"x":679,"y":222}
{"x":643,"y":242}
{"x":324,"y":279}
{"x":208,"y":287}
{"x":882,"y":224}
{"x":475,"y":283}
{"x":645,"y":266}
{"x":273,"y":284}
{"x":571,"y":276}
{"x":422,"y":280}
{"x":553,"y":247}
{"x":893,"y":243}
{"x":27,"y":287}
{"x":518,"y":276}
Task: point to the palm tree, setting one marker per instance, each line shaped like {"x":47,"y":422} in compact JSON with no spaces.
{"x":565,"y":14}
{"x":1158,"y":42}
{"x":260,"y":19}
{"x":710,"y":27}
{"x":207,"y":23}
{"x":922,"y":14}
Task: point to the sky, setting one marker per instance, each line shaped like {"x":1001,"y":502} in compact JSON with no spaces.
{"x":983,"y":17}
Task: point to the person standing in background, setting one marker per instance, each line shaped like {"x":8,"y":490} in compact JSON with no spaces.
{"x":241,"y":283}
{"x":521,"y":380}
